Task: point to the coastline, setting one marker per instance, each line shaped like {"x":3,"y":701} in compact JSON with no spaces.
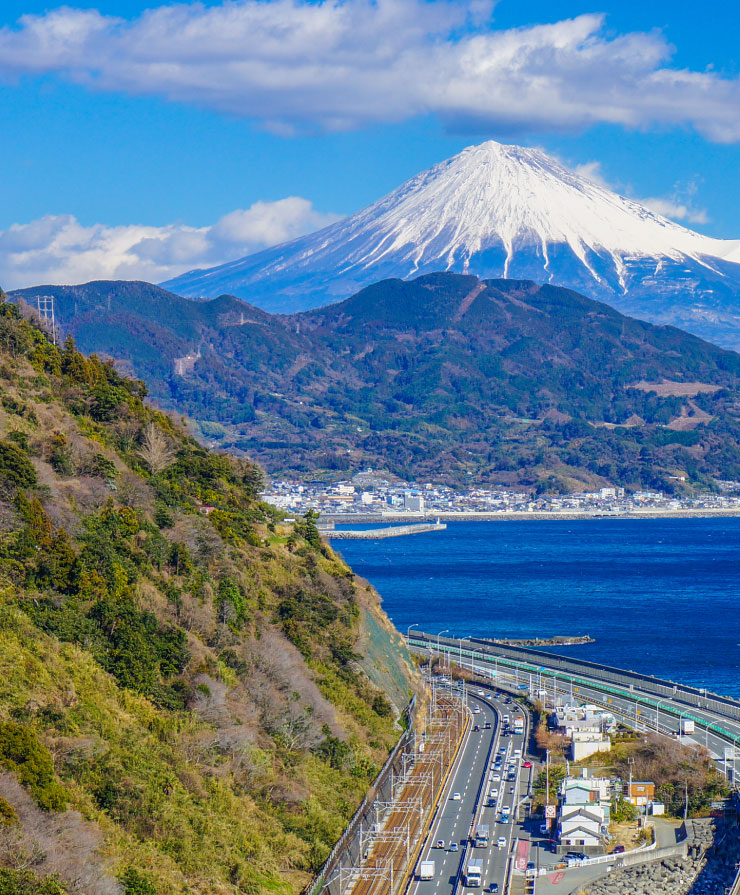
{"x":516,"y":515}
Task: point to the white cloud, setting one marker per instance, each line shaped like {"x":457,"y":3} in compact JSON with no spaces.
{"x":294,"y":64}
{"x":678,"y":207}
{"x":593,"y":171}
{"x":677,"y":210}
{"x":58,"y":249}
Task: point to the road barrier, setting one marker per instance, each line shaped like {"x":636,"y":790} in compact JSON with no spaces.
{"x":558,"y":667}
{"x":346,"y":844}
{"x":376,"y":852}
{"x":690,"y":696}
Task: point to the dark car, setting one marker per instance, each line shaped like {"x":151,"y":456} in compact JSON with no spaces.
{"x":618,"y":849}
{"x":493,"y":887}
{"x":477,"y":727}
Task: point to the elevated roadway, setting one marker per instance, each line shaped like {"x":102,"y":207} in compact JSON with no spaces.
{"x":639,"y":700}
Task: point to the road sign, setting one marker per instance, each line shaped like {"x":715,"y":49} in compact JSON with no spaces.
{"x":550,"y":811}
{"x":522,"y":854}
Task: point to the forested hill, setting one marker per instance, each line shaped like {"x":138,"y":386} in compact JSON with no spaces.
{"x":191,"y":698}
{"x":442,"y":377}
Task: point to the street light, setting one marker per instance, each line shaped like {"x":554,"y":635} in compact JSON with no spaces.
{"x":446,"y":631}
{"x":638,"y":700}
{"x":467,"y":637}
{"x":657,"y":714}
{"x":408,"y":630}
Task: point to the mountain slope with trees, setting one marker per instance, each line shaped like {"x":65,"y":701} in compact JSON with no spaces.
{"x":444,"y":377}
{"x":183,"y":705}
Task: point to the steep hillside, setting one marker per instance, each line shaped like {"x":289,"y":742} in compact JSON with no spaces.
{"x":184,"y":707}
{"x":501,"y":211}
{"x":443,"y":377}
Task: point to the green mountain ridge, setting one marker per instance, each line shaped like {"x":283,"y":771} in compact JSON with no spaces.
{"x":194,"y":695}
{"x":444,"y":377}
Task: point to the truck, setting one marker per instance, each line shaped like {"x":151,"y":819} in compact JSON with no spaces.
{"x":518,"y":725}
{"x":426,"y":870}
{"x":685,"y":726}
{"x":481,"y":836}
{"x":474,"y":872}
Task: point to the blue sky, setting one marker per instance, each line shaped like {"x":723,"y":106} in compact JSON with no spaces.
{"x":135,"y":142}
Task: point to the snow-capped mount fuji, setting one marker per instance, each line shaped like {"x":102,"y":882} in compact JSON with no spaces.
{"x":501,"y":211}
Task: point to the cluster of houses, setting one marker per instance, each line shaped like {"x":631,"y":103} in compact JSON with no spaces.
{"x":584,"y":810}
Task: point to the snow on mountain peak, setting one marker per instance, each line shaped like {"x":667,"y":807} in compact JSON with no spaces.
{"x":500,"y":211}
{"x":496,"y":194}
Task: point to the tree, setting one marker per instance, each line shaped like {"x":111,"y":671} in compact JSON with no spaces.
{"x":155,"y":450}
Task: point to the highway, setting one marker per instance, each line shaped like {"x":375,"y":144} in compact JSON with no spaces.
{"x":637,"y":706}
{"x":632,"y":700}
{"x":488,"y":777}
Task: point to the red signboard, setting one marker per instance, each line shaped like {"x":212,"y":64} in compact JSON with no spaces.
{"x":522,"y":854}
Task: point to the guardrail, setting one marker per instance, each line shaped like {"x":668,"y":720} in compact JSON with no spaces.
{"x":563,"y":669}
{"x":569,"y":669}
{"x":698,"y":698}
{"x":405,"y":743}
{"x":375,"y":854}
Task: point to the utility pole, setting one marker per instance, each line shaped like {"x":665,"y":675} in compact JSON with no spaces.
{"x":686,"y":802}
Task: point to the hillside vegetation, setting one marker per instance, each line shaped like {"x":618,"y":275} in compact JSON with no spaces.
{"x":444,"y":377}
{"x":183,"y":705}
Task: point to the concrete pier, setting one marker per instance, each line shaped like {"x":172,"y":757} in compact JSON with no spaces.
{"x":392,"y":531}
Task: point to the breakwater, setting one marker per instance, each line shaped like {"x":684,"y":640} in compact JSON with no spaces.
{"x":558,"y":640}
{"x":392,"y":531}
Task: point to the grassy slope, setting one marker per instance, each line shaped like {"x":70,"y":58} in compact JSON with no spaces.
{"x":181,"y":693}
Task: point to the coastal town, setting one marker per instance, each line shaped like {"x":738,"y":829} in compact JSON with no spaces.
{"x":370,"y":496}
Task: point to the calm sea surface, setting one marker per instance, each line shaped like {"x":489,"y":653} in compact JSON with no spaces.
{"x":659,"y":596}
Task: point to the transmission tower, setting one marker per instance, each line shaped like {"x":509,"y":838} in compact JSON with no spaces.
{"x":45,"y":306}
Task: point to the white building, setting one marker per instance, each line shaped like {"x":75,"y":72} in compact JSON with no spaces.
{"x":413,"y":503}
{"x":585,"y":743}
{"x":580,"y":827}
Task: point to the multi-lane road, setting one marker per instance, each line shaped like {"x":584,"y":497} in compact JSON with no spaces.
{"x":715,"y":727}
{"x":474,"y":774}
{"x":487,"y":783}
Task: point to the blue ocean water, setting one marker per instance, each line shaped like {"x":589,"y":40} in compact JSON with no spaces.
{"x":661,"y":596}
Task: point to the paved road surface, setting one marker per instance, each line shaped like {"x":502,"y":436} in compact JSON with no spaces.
{"x":473,"y":778}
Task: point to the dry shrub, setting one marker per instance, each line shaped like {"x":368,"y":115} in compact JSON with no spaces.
{"x":64,"y":844}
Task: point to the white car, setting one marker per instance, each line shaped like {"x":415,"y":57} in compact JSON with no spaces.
{"x":501,"y":842}
{"x":496,"y":778}
{"x":493,"y":794}
{"x":440,"y":843}
{"x":481,"y":693}
{"x":456,"y":797}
